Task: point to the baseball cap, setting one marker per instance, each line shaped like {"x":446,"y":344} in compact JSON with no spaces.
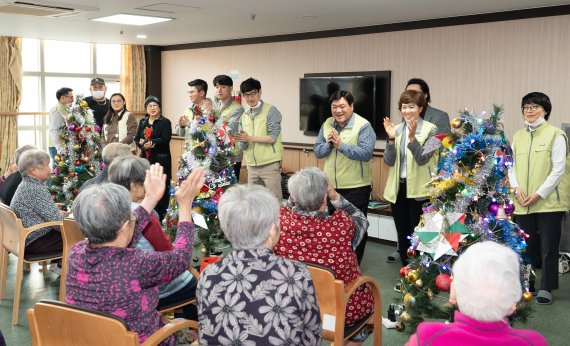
{"x":97,"y":81}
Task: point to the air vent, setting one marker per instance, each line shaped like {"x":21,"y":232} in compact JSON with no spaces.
{"x":44,"y":9}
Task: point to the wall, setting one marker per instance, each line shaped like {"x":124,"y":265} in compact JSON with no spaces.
{"x":466,"y":66}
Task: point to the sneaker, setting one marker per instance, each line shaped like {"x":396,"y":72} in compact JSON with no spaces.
{"x":362,"y":334}
{"x":394,"y":257}
{"x":54,"y":268}
{"x":398,"y":288}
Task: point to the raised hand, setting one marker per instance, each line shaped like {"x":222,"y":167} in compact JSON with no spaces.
{"x":187,"y":191}
{"x":154,"y":186}
{"x":390,"y":128}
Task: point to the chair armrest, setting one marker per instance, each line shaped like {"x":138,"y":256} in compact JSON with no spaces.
{"x":194,"y":273}
{"x":168,"y":329}
{"x":361,"y":280}
{"x":30,"y":229}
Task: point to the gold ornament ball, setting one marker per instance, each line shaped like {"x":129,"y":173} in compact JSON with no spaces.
{"x":527,"y":296}
{"x":430,"y":293}
{"x":413,"y":275}
{"x":85,"y":159}
{"x":407,"y":297}
{"x":204,"y":250}
{"x":419,"y":283}
{"x":57,"y":158}
{"x":76,"y":147}
{"x":83,"y":104}
{"x":456,"y":123}
{"x":61,"y":163}
{"x":405,"y":317}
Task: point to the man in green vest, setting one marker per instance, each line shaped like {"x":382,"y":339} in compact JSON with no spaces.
{"x":197,"y":90}
{"x":231,"y":110}
{"x":57,"y":117}
{"x":346,"y":142}
{"x":259,"y":137}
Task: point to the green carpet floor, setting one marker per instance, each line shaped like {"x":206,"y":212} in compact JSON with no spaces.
{"x":548,"y":320}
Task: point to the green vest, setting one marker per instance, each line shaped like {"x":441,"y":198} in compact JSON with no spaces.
{"x":417,"y":177}
{"x":532,"y":161}
{"x":345,"y":173}
{"x":259,"y":154}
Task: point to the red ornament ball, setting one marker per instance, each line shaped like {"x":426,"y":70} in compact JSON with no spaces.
{"x":411,"y":252}
{"x":443,"y":282}
{"x":77,"y":162}
{"x":72,"y":174}
{"x":211,"y":118}
{"x":74,"y":192}
{"x":404,"y":271}
{"x":87,"y":129}
{"x":78,"y":129}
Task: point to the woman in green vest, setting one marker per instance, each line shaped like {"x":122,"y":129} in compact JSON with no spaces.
{"x":406,"y":187}
{"x":541,"y":186}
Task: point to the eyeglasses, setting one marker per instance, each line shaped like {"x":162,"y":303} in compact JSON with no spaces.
{"x":529,"y":108}
{"x":152,"y":105}
{"x":251,"y":93}
{"x":117,"y":101}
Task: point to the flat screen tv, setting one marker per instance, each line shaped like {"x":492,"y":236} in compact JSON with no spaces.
{"x":371,"y":91}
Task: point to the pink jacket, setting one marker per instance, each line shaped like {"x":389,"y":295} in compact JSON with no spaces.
{"x":466,"y":331}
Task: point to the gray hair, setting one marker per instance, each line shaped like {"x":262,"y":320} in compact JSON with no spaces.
{"x":246,"y":214}
{"x":101,"y":210}
{"x":113,"y":150}
{"x":486,"y":280}
{"x":127,"y":170}
{"x":21,"y":150}
{"x":32,"y":158}
{"x":308,"y":187}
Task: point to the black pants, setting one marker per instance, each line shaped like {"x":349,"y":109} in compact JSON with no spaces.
{"x":544,"y":230}
{"x":190,"y":312}
{"x":406,"y":213}
{"x":237,"y":169}
{"x":50,"y":242}
{"x":359,"y":197}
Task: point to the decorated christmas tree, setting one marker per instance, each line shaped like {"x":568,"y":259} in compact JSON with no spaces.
{"x":209,"y":144}
{"x":470,"y":201}
{"x":78,"y":156}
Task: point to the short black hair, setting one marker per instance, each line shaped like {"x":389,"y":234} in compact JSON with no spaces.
{"x":249,"y":85}
{"x":540,"y":99}
{"x":61,"y":92}
{"x":199,"y":84}
{"x":423,"y":85}
{"x":337,"y":95}
{"x":222,"y":79}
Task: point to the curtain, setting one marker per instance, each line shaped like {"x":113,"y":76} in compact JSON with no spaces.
{"x":10,"y":96}
{"x":133,"y":77}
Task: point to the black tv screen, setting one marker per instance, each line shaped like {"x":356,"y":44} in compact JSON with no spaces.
{"x":371,"y":91}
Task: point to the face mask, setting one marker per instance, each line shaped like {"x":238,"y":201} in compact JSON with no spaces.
{"x":69,"y":105}
{"x":536,"y":122}
{"x":98,"y":94}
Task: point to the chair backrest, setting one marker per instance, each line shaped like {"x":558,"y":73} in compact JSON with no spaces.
{"x":70,"y":234}
{"x":56,"y":323}
{"x":330,"y":295}
{"x":10,"y":229}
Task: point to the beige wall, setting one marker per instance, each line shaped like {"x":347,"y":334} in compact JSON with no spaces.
{"x":466,"y":66}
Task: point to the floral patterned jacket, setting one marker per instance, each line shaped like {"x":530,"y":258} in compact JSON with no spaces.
{"x":253,"y":297}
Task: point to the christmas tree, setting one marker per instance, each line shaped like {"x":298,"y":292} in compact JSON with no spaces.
{"x":209,"y":144}
{"x":78,"y":156}
{"x":470,"y":201}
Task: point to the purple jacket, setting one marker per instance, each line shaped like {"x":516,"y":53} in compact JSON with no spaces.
{"x":123,"y":281}
{"x":466,"y":331}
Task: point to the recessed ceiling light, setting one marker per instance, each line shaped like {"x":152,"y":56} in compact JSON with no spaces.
{"x":131,"y":19}
{"x":141,"y":36}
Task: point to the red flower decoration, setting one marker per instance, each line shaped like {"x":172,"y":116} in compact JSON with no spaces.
{"x":148,"y":136}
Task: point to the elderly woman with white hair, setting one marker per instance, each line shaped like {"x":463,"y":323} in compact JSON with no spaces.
{"x":130,"y":172}
{"x":309,"y":234}
{"x":486,"y":288}
{"x":105,"y":274}
{"x":253,"y":297}
{"x":33,"y":204}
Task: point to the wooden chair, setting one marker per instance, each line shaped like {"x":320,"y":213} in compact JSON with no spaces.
{"x":57,"y":323}
{"x":71,"y":234}
{"x":333,"y":296}
{"x":13,"y":239}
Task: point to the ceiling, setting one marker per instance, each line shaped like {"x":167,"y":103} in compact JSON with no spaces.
{"x":214,"y":20}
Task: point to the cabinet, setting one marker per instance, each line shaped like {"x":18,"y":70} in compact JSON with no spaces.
{"x":382,"y":227}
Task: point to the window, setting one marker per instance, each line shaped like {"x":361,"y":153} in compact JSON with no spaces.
{"x":49,"y":65}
